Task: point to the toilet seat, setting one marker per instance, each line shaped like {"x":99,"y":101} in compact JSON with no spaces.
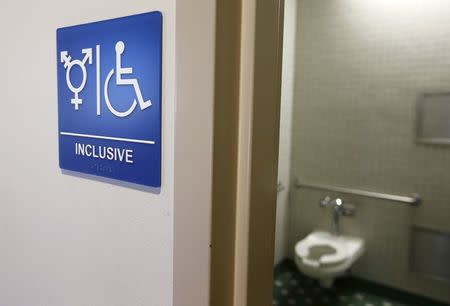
{"x":302,"y":249}
{"x":325,"y":256}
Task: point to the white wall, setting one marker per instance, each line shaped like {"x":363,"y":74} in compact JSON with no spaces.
{"x":69,"y":241}
{"x":284,"y":153}
{"x":195,"y":45}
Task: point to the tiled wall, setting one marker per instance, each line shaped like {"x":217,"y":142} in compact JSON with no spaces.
{"x":284,"y":153}
{"x":360,"y":65}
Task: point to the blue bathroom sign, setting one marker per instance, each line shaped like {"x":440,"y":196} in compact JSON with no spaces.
{"x":109,"y":98}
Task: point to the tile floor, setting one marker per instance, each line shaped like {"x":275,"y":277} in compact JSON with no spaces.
{"x":292,"y":288}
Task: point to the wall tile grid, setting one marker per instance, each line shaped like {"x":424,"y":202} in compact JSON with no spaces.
{"x":360,"y":66}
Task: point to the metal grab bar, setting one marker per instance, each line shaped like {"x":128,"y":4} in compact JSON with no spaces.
{"x":412,"y":200}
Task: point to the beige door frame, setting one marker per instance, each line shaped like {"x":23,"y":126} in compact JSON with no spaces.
{"x":246,"y":131}
{"x":263,"y":157}
{"x":225,"y":151}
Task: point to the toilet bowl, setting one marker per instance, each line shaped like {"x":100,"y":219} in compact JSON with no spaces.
{"x":325,"y":256}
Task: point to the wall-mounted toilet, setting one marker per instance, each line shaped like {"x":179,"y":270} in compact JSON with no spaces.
{"x":325,"y":256}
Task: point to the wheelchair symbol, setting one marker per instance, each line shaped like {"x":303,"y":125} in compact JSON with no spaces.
{"x":119,"y":80}
{"x":120,"y":48}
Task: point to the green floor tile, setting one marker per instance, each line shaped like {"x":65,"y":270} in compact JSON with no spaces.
{"x":290,"y":287}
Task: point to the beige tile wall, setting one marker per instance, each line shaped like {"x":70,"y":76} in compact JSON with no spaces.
{"x":360,"y":65}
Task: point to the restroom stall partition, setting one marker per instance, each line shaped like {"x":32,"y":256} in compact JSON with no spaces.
{"x":285,"y":135}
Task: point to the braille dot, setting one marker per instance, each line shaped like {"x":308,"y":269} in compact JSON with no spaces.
{"x":278,"y":283}
{"x":284,"y":292}
{"x":291,"y":301}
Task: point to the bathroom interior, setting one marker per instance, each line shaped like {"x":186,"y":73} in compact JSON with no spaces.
{"x":363,"y":207}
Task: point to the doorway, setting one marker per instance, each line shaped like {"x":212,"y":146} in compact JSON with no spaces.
{"x":361,"y":195}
